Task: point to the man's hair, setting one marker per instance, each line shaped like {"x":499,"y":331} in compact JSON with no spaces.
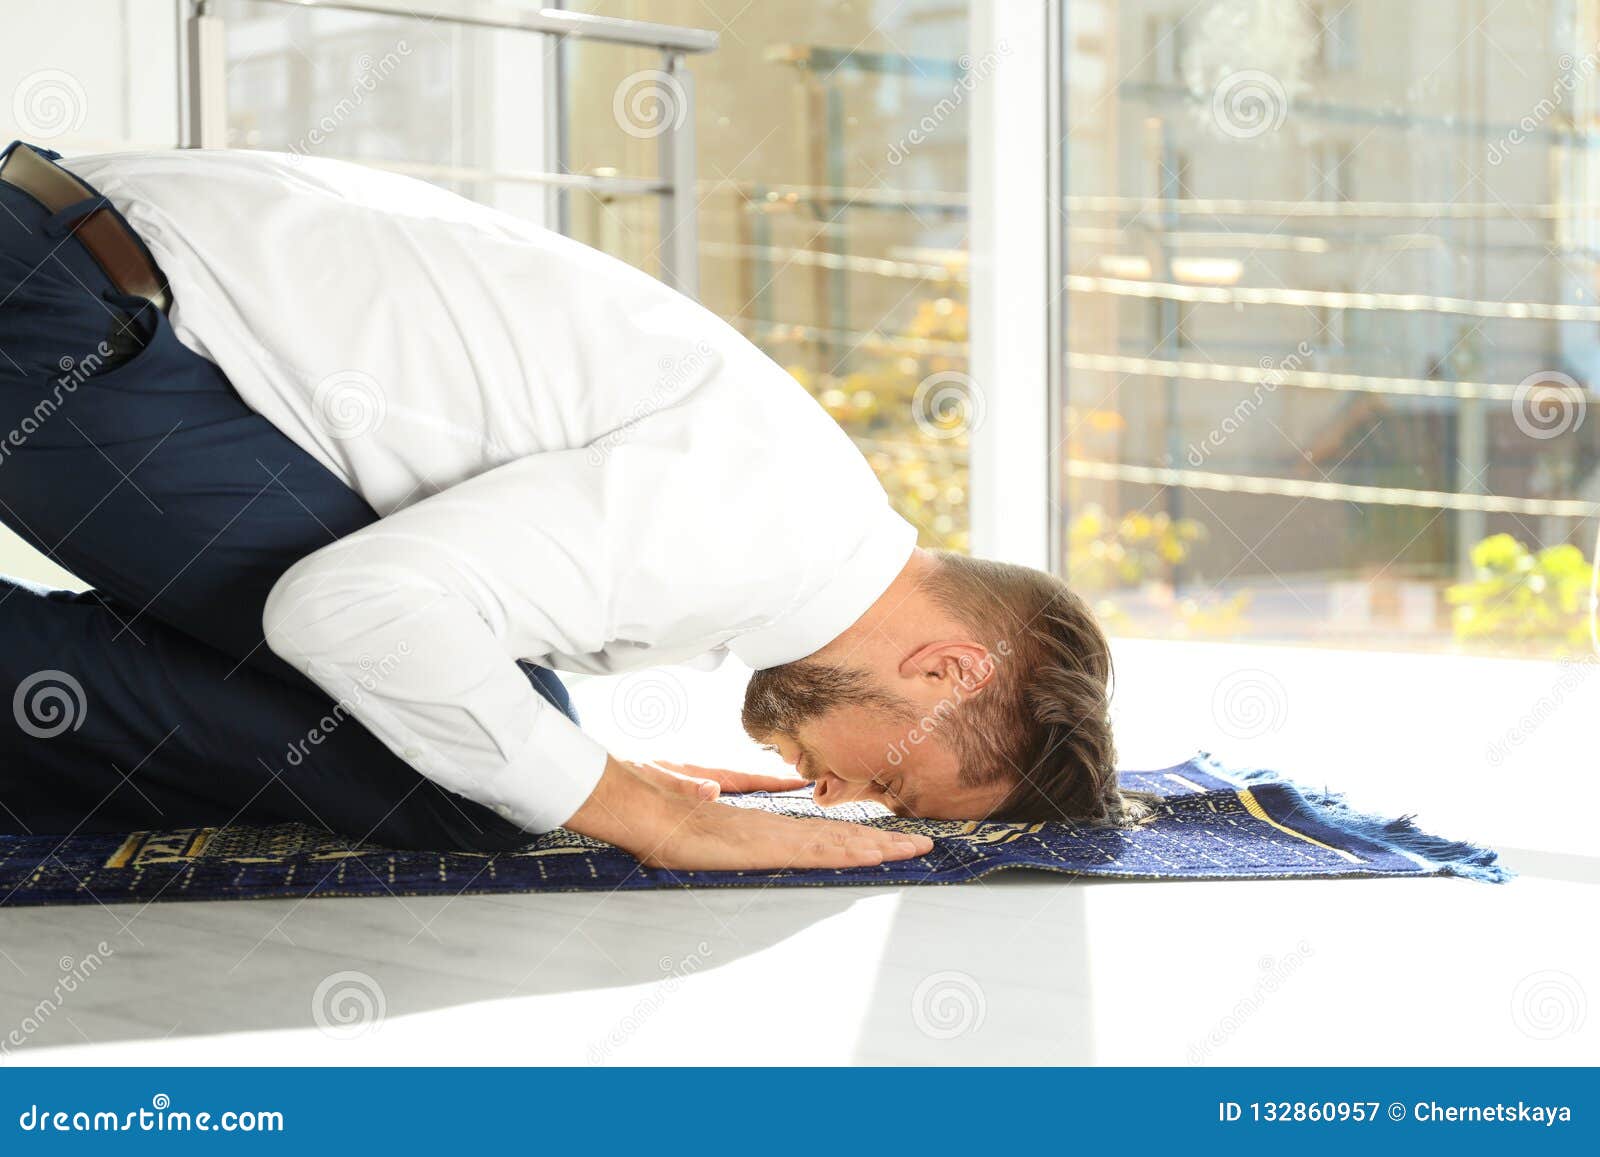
{"x":1043,"y":723}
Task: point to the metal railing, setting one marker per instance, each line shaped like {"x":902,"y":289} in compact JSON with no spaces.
{"x":206,"y":103}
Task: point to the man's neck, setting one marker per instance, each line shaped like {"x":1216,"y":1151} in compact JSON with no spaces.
{"x":906,"y":590}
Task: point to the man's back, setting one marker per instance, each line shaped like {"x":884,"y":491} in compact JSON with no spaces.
{"x":410,"y":338}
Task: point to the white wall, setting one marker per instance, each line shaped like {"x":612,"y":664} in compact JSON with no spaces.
{"x":78,"y":92}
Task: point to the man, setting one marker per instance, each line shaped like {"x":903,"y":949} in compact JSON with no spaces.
{"x":354,"y":464}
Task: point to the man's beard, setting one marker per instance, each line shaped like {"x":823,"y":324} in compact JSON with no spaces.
{"x":780,"y":699}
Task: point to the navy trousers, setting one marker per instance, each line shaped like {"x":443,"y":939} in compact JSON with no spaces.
{"x":152,"y":701}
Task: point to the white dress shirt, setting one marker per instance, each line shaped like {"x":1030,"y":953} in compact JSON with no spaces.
{"x":576,"y":465}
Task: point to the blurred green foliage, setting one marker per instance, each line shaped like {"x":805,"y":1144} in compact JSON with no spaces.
{"x":1136,"y":554}
{"x":1521,"y":596}
{"x":1108,"y":554}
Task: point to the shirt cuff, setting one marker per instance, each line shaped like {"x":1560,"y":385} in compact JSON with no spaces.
{"x":556,"y":772}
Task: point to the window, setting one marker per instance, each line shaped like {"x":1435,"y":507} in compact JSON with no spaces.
{"x":457,"y":105}
{"x":1368,"y":426}
{"x":833,"y":218}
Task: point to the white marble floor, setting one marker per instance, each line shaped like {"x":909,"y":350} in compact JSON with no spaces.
{"x":1013,"y":969}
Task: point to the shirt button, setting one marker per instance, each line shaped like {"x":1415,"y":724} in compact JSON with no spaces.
{"x":503,"y":811}
{"x":413,"y":753}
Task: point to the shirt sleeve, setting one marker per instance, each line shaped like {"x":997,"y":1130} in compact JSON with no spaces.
{"x":414,"y":625}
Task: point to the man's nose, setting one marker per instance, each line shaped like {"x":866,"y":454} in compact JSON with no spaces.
{"x":830,"y":790}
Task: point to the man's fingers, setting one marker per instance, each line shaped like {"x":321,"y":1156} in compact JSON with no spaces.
{"x":736,"y":781}
{"x":837,"y":850}
{"x":699,"y":837}
{"x":863,"y":844}
{"x":865,"y":853}
{"x":693,"y":787}
{"x":750,"y":781}
{"x":861,"y":855}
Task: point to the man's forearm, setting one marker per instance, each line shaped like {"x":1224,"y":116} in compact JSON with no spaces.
{"x":623,"y":810}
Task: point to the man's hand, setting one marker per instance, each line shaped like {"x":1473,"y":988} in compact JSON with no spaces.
{"x":668,"y":829}
{"x":709,"y":782}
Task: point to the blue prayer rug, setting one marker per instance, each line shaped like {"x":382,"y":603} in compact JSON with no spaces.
{"x":1212,"y":824}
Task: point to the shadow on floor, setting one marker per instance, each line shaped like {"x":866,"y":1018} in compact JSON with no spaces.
{"x":220,"y":967}
{"x":955,"y":980}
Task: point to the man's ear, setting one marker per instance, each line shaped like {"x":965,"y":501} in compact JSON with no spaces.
{"x":961,"y":664}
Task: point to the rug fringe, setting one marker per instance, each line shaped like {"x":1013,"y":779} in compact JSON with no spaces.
{"x":1445,"y":857}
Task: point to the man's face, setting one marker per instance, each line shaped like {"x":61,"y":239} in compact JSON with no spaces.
{"x":859,"y":743}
